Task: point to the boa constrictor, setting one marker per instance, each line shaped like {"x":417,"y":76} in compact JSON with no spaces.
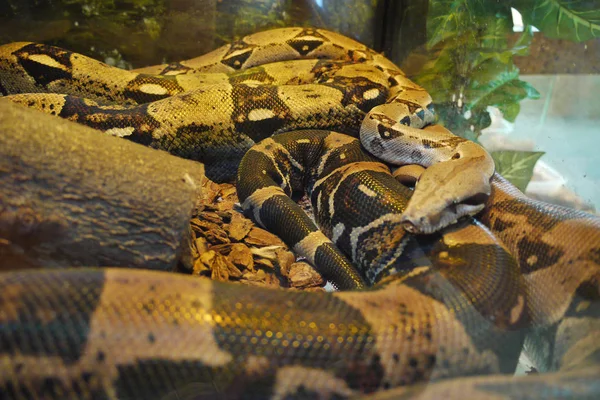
{"x":215,"y":117}
{"x":452,"y":304}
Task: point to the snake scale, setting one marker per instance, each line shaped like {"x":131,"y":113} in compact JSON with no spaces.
{"x":458,"y":302}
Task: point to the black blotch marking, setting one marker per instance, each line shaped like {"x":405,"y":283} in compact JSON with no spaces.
{"x":544,"y":221}
{"x":168,"y":82}
{"x":545,"y":255}
{"x":100,"y":356}
{"x":236,"y":61}
{"x":427,"y":144}
{"x":360,"y":58}
{"x":247,"y":99}
{"x":353,"y":89}
{"x":304,"y":46}
{"x":151,"y":337}
{"x":405,"y":121}
{"x":377,"y":245}
{"x":306,"y":41}
{"x":391,"y":133}
{"x":430,"y":360}
{"x":174,"y":67}
{"x":587,"y":293}
{"x":168,"y":377}
{"x":45,"y":74}
{"x":104,"y":118}
{"x":324,"y":69}
{"x":499,"y":225}
{"x":416,"y":155}
{"x":86,"y":377}
{"x":413,"y":108}
{"x":367,"y":381}
{"x":594,"y":255}
{"x":376,"y":146}
{"x":39,"y":328}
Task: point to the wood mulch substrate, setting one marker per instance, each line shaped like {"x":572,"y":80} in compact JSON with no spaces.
{"x":227,"y":246}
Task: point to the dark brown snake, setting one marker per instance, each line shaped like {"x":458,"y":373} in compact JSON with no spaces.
{"x":453,"y":304}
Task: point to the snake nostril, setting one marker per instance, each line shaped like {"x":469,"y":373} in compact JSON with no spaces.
{"x":456,"y":156}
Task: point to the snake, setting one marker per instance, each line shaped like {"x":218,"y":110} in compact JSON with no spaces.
{"x":371,"y":97}
{"x":460,"y":301}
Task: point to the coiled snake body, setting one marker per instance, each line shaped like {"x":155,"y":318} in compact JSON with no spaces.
{"x":454,"y":303}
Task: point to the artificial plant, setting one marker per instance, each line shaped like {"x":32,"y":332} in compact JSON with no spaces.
{"x":472,"y":67}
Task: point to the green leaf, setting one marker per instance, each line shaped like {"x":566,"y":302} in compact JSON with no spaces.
{"x":516,"y":166}
{"x":472,"y":66}
{"x":508,"y":96}
{"x":562,"y":19}
{"x":450,"y":116}
{"x":443,"y":20}
{"x":497,"y":27}
{"x":496,"y":84}
{"x":521,"y":47}
{"x":448,"y":18}
{"x":510,"y":111}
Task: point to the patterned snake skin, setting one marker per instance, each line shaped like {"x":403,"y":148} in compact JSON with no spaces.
{"x":460,"y":302}
{"x":197,"y":110}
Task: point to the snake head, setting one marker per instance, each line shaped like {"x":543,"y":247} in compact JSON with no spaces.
{"x":449,"y":190}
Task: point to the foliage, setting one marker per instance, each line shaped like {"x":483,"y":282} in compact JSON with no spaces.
{"x":127,"y":9}
{"x":472,"y":66}
{"x":516,"y":166}
{"x":237,"y":18}
{"x":574,"y":20}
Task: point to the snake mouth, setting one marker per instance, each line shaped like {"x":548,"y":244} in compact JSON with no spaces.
{"x":410,"y":227}
{"x":425,"y":222}
{"x":476,"y":199}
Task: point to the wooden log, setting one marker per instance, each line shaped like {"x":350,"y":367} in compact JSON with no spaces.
{"x":72,"y":196}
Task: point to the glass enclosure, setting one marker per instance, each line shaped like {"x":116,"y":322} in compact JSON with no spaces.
{"x":539,"y":77}
{"x":519,"y":77}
